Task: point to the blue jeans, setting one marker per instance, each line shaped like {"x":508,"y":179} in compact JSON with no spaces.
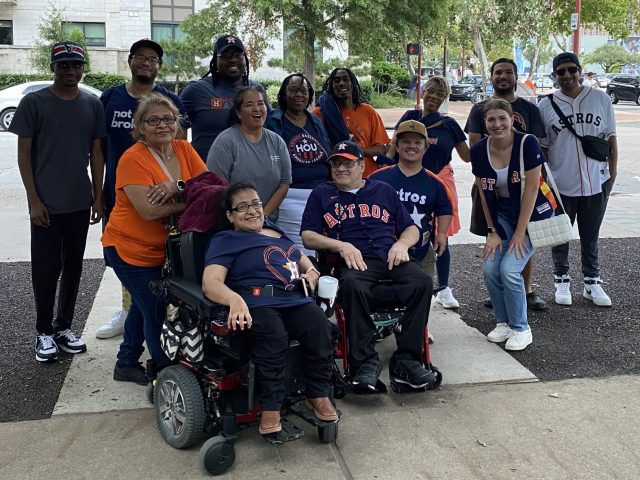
{"x":147,"y":314}
{"x":503,"y":278}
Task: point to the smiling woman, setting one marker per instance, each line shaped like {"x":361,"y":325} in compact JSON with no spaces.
{"x":248,"y":151}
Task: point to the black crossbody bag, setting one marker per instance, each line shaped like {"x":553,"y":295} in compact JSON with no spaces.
{"x":593,"y":147}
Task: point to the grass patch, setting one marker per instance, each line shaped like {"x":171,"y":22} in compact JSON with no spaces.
{"x":380,"y":100}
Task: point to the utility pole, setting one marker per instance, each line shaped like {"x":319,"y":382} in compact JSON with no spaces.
{"x":575,"y":26}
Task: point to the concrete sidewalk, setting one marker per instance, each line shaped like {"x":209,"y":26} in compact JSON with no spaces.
{"x":577,"y":429}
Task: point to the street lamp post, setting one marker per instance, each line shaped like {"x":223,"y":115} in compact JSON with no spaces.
{"x":575,"y":25}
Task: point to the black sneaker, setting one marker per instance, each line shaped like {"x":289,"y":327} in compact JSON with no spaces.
{"x":46,"y":348}
{"x":410,"y":372}
{"x":487,"y":302}
{"x":367,"y":374}
{"x":534,"y":302}
{"x":130,"y":373}
{"x":68,"y":342}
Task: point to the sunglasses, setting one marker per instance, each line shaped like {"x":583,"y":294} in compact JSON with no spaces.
{"x":561,"y":71}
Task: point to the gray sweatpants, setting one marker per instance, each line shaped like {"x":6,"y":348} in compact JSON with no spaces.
{"x":589,"y":212}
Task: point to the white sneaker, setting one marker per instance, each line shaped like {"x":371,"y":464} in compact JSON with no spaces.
{"x":115,"y":325}
{"x":519,"y":340}
{"x":500,"y":333}
{"x":563,"y":289}
{"x":446,"y":299}
{"x":594,"y":292}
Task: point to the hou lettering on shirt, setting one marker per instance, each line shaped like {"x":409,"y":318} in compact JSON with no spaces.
{"x":304,"y":149}
{"x":342,"y":212}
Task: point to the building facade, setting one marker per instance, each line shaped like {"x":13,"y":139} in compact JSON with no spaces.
{"x":110,"y":27}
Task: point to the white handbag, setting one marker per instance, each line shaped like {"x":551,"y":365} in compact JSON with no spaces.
{"x":551,"y":231}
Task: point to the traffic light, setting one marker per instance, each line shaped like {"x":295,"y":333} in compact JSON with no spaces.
{"x":413,"y":48}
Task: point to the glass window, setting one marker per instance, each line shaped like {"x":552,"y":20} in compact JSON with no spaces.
{"x":6,"y":32}
{"x":174,"y":11}
{"x":167,"y":31}
{"x":94,"y":33}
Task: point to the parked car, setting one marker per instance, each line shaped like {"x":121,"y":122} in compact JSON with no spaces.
{"x":544,"y":81}
{"x":10,"y":98}
{"x":624,"y":87}
{"x":469,"y":88}
{"x":603,"y":80}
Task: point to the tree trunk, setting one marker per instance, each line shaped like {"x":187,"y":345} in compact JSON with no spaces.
{"x":535,"y":58}
{"x":309,"y":57}
{"x":410,"y":67}
{"x":480,"y":52}
{"x":561,"y":42}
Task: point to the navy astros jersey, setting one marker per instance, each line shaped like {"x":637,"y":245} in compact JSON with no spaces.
{"x":423,"y":196}
{"x":371,"y":219}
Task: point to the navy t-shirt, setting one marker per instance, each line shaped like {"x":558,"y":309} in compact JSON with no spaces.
{"x":308,"y":155}
{"x":442,"y":138}
{"x":119,"y":109}
{"x":481,"y":168}
{"x":371,"y":219}
{"x":423,"y":196}
{"x":256,"y":260}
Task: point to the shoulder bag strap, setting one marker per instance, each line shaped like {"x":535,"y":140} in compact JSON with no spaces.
{"x":550,"y":180}
{"x":562,"y":116}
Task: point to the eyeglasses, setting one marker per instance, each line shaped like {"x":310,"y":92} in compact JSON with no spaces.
{"x":348,"y":164}
{"x":230,"y":55}
{"x":295,"y":90}
{"x":139,"y":58}
{"x":68,"y":65}
{"x":436,"y":93}
{"x":561,"y":71}
{"x":155,"y":121}
{"x":243,"y":207}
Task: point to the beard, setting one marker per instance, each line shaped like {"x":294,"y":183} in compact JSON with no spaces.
{"x":144,"y":78}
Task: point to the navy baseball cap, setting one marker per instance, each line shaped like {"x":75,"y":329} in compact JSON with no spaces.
{"x":67,"y":51}
{"x":346,"y":149}
{"x":227,"y":41}
{"x":565,"y":57}
{"x":147,"y":43}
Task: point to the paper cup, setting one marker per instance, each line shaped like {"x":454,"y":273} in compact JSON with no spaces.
{"x":327,"y":287}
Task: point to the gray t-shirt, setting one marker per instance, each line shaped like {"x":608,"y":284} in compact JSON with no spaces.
{"x":62,"y":133}
{"x":265,"y":163}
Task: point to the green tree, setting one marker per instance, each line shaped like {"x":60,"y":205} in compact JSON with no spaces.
{"x":611,"y":57}
{"x":180,"y":63}
{"x":52,"y":29}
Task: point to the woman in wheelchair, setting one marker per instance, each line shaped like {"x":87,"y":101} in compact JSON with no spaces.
{"x":264,"y":279}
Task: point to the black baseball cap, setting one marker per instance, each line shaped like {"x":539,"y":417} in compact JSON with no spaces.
{"x":147,"y":43}
{"x":565,"y":57}
{"x":226,"y":41}
{"x":346,"y":149}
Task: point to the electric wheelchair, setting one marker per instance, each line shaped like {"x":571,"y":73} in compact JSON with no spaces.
{"x":210,"y":386}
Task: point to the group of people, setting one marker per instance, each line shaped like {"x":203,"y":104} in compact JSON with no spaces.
{"x":301,"y":181}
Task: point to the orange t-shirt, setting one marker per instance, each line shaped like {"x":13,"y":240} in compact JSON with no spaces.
{"x":138,"y":241}
{"x":367,"y":129}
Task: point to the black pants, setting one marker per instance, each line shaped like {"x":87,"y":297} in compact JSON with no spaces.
{"x":57,"y":252}
{"x":589,"y":212}
{"x":413,"y":288}
{"x":272,"y":328}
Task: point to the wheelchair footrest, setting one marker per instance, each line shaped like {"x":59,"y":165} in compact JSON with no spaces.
{"x":289,"y":433}
{"x":302,"y":410}
{"x":349,"y":387}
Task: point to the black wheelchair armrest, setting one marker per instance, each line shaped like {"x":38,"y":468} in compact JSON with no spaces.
{"x":191,"y":294}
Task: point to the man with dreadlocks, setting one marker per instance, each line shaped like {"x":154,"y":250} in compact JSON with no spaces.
{"x":209,"y":101}
{"x":346,"y":117}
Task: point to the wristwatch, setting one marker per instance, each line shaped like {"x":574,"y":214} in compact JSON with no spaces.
{"x":180,"y":184}
{"x":492,"y":230}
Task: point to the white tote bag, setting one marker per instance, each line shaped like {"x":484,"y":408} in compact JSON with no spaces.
{"x":550,"y":231}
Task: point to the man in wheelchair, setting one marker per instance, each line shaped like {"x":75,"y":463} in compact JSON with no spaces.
{"x":365,"y":223}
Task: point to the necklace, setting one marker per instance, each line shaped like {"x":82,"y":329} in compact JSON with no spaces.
{"x":295,"y":121}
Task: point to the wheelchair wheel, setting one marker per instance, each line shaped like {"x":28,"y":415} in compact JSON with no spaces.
{"x":179,"y":407}
{"x":217,"y":455}
{"x":438,"y":376}
{"x":328,"y":433}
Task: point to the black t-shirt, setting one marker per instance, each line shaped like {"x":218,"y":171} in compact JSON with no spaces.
{"x":526,"y":118}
